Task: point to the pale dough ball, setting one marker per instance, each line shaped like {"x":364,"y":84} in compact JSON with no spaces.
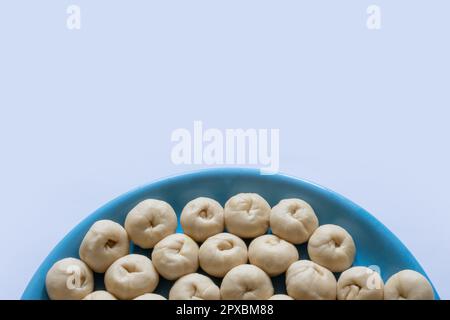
{"x":408,"y":285}
{"x":69,"y":279}
{"x":100,"y":295}
{"x":131,"y":276}
{"x":150,"y":296}
{"x":149,"y":222}
{"x":194,"y":286}
{"x":202,"y":218}
{"x":247,"y":215}
{"x":306,"y":280}
{"x":221,"y":253}
{"x":105,"y":242}
{"x":272,"y":254}
{"x":175,"y":255}
{"x":280,"y":297}
{"x":246,"y":282}
{"x":332,"y":247}
{"x":293,"y":220}
{"x":360,"y":283}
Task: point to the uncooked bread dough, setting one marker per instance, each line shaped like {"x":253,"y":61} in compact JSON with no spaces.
{"x":100,"y":295}
{"x":222,"y":252}
{"x":149,"y":222}
{"x":280,"y":297}
{"x":408,"y":285}
{"x":105,"y":242}
{"x":131,"y":276}
{"x":175,"y":255}
{"x":272,"y":254}
{"x":360,"y":283}
{"x":69,"y":279}
{"x":306,"y":280}
{"x":246,"y":282}
{"x":150,"y":296}
{"x":332,"y":247}
{"x":194,"y":286}
{"x":202,"y":218}
{"x":293,"y":220}
{"x":247,"y":215}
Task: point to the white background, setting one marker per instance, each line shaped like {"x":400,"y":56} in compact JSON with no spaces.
{"x":87,"y":115}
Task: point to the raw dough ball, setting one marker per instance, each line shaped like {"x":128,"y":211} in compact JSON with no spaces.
{"x":306,"y":280}
{"x":150,"y":296}
{"x":247,"y":215}
{"x":246,"y":282}
{"x":202,"y":218}
{"x":149,"y":222}
{"x":175,"y":255}
{"x":100,"y":295}
{"x":221,"y":253}
{"x":332,"y":247}
{"x":131,"y":276}
{"x":69,"y":279}
{"x":360,"y":283}
{"x":272,"y":254}
{"x":194,"y":286}
{"x":280,"y":297}
{"x":105,"y":242}
{"x":408,"y":285}
{"x":293,"y":220}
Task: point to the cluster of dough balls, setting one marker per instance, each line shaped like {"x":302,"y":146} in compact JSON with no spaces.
{"x":213,"y":241}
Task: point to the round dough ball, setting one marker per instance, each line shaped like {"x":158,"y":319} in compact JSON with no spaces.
{"x":306,"y":280}
{"x":272,"y":254}
{"x":293,"y":220}
{"x":360,"y":283}
{"x":131,"y":276}
{"x":105,"y":242}
{"x":194,"y":286}
{"x":175,"y":255}
{"x":149,"y":222}
{"x":332,"y":247}
{"x":100,"y":295}
{"x":69,"y":279}
{"x":202,"y":218}
{"x":246,"y":282}
{"x":150,"y":296}
{"x":408,"y":285}
{"x":280,"y":297}
{"x":221,"y":253}
{"x":247,"y":215}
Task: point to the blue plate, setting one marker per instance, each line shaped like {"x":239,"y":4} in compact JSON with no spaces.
{"x":376,"y":245}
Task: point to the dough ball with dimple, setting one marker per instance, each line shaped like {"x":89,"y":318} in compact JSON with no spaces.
{"x":150,"y":221}
{"x":306,"y":280}
{"x":221,"y":253}
{"x":246,"y":282}
{"x":202,"y":218}
{"x":131,"y":276}
{"x":247,"y":215}
{"x":272,"y":254}
{"x":293,"y":220}
{"x":105,"y":242}
{"x":150,"y":296}
{"x":100,"y":295}
{"x":408,"y":285}
{"x":281,"y":297}
{"x":360,"y":283}
{"x":194,"y":286}
{"x":332,"y":247}
{"x":69,"y":279}
{"x":175,"y":255}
